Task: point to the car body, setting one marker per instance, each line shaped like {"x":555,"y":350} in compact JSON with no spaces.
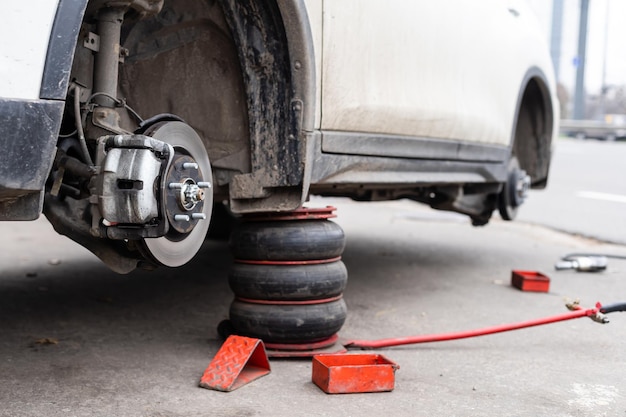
{"x":449,"y":103}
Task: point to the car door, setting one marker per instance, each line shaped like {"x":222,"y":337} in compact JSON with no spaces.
{"x":448,"y":69}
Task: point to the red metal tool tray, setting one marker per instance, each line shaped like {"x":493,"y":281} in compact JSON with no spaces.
{"x":350,"y":373}
{"x":530,"y":281}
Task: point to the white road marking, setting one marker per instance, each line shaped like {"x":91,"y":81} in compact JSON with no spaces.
{"x":591,"y":396}
{"x":616,"y":198}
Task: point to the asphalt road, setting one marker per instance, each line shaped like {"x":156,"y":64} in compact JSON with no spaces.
{"x":586,"y":193}
{"x":78,"y":340}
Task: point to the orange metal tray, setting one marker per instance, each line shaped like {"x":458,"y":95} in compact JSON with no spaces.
{"x":351,"y":373}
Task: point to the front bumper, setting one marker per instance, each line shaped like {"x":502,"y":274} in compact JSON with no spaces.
{"x":28,"y":135}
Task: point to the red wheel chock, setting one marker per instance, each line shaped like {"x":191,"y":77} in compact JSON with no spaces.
{"x":239,"y":361}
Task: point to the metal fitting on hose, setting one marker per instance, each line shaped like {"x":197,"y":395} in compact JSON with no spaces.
{"x":599,"y":318}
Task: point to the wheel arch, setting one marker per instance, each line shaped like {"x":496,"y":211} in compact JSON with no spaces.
{"x":63,"y":38}
{"x":275,"y":47}
{"x":533,"y":127}
{"x":293,"y":38}
{"x":300,"y":44}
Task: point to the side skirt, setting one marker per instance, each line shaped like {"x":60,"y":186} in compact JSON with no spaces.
{"x":338,"y":158}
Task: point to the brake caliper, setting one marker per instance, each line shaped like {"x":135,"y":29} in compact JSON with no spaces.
{"x":143,"y":188}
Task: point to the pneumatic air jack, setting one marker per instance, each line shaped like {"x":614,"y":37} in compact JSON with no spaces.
{"x":288,"y":280}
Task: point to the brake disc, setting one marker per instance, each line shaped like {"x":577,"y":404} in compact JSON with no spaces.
{"x":186,"y":196}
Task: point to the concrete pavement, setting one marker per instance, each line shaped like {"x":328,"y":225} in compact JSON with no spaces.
{"x":586,"y":192}
{"x":78,"y":340}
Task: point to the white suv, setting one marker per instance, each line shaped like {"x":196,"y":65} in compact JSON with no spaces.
{"x":125,"y":121}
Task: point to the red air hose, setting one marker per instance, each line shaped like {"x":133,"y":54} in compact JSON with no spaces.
{"x":594,"y":313}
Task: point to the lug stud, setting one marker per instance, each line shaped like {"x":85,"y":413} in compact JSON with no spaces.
{"x":198,"y":216}
{"x":190,"y":165}
{"x":175,"y":186}
{"x":204,"y":184}
{"x":181,"y":218}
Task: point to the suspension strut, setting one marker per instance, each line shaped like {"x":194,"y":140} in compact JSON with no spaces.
{"x":103,"y":102}
{"x":106,"y":65}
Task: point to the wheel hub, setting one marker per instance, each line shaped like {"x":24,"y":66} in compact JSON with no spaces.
{"x":185,"y":194}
